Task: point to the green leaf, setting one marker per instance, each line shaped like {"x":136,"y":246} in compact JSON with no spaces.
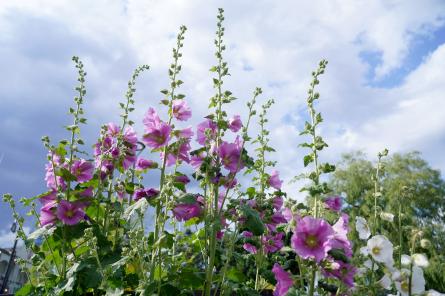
{"x":308,"y":159}
{"x":65,"y":174}
{"x":253,"y":220}
{"x":236,"y":275}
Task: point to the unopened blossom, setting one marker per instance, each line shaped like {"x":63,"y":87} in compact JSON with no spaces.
{"x":381,"y":249}
{"x":417,"y":282}
{"x":284,"y":280}
{"x":362,"y":227}
{"x":235,"y":123}
{"x":406,"y":260}
{"x":425,"y":243}
{"x":143,"y":164}
{"x":274,"y":180}
{"x":82,"y":170}
{"x":69,"y":213}
{"x":147,"y":193}
{"x":333,"y":203}
{"x":184,"y":212}
{"x":311,"y":238}
{"x":387,"y":216}
{"x":181,"y":111}
{"x":207,"y":126}
{"x":272,"y":243}
{"x":230,"y":154}
{"x":250,"y":248}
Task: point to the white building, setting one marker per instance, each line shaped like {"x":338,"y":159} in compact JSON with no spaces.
{"x":16,"y":277}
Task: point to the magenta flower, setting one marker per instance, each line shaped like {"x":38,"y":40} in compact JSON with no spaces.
{"x":277,"y":202}
{"x":157,"y":132}
{"x":181,"y":154}
{"x":247,"y":233}
{"x":230,"y":154}
{"x":235,"y":123}
{"x":345,"y":272}
{"x":181,"y":111}
{"x":143,"y":164}
{"x":184,"y":212}
{"x":186,"y":133}
{"x":272,"y":243}
{"x":52,"y":181}
{"x":182,"y":179}
{"x":311,"y":238}
{"x":147,"y":193}
{"x":333,"y":203}
{"x":209,"y":125}
{"x":284,"y":281}
{"x":50,"y":197}
{"x":82,"y":170}
{"x":278,"y":218}
{"x":340,"y":239}
{"x":47,"y":217}
{"x":69,"y":213}
{"x":250,"y":248}
{"x":274,"y":180}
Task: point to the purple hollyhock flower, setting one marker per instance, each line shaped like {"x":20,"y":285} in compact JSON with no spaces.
{"x":143,"y":164}
{"x":274,"y":180}
{"x":247,"y":233}
{"x":333,"y":203}
{"x":147,"y":193}
{"x":184,"y":212}
{"x":112,"y":129}
{"x":50,"y":197}
{"x":272,"y":243}
{"x":151,"y":119}
{"x":250,"y":248}
{"x":51,"y":179}
{"x":277,"y":202}
{"x":181,"y":111}
{"x":87,"y":192}
{"x":284,"y":281}
{"x":181,"y":154}
{"x":345,"y":272}
{"x":278,"y":218}
{"x":69,"y":213}
{"x":230,"y":154}
{"x":196,"y":160}
{"x":47,"y":217}
{"x":158,"y":136}
{"x":311,"y":238}
{"x":201,"y":137}
{"x":182,"y":179}
{"x":235,"y":123}
{"x":82,"y":170}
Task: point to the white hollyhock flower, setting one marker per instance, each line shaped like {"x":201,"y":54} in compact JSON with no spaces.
{"x":433,"y":293}
{"x":364,"y":251}
{"x":417,"y":282}
{"x":385,"y":282}
{"x":420,"y":260}
{"x":406,"y":260}
{"x":387,"y":216}
{"x":381,"y":249}
{"x":368,"y":265}
{"x":362,"y":227}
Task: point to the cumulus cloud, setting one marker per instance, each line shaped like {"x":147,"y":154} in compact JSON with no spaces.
{"x":269,"y":44}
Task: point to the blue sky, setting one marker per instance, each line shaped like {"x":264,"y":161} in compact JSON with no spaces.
{"x":383,"y":88}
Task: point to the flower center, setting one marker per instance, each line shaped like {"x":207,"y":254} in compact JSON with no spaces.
{"x":404,"y":286}
{"x":311,"y":241}
{"x":69,"y":213}
{"x":376,"y":250}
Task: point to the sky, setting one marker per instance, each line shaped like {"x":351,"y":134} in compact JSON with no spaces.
{"x":384,"y":86}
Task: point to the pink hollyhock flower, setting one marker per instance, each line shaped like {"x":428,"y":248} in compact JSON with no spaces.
{"x":311,"y":238}
{"x":274,"y":180}
{"x":186,"y":133}
{"x":333,"y":203}
{"x":82,"y":170}
{"x":157,"y":137}
{"x":196,"y":160}
{"x":201,"y":137}
{"x":235,"y":123}
{"x":284,"y":281}
{"x":151,"y":119}
{"x":219,"y":235}
{"x":277,"y":202}
{"x":182,"y":179}
{"x":230,"y":154}
{"x":69,"y":213}
{"x":278,"y":218}
{"x":181,"y":111}
{"x":181,"y":154}
{"x":50,"y":197}
{"x":250,"y":248}
{"x":87,"y":192}
{"x":143,"y":164}
{"x":47,"y":217}
{"x":147,"y":193}
{"x":272,"y":243}
{"x":340,"y":239}
{"x":345,"y":272}
{"x":184,"y":212}
{"x":230,"y":182}
{"x":52,"y":181}
{"x":112,"y":129}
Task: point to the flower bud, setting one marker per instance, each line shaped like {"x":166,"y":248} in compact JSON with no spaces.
{"x":425,"y":243}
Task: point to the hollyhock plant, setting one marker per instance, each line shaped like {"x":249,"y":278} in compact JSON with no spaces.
{"x":143,"y":164}
{"x":344,"y":272}
{"x":311,"y":238}
{"x":235,"y":123}
{"x":184,"y":212}
{"x":230,"y":154}
{"x":284,"y":280}
{"x":272,"y":243}
{"x":250,"y":248}
{"x":381,"y":249}
{"x":334,"y":203}
{"x":82,"y":170}
{"x":157,"y":133}
{"x":274,"y":180}
{"x":417,"y":282}
{"x":69,"y":213}
{"x":147,"y":193}
{"x":181,"y":111}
